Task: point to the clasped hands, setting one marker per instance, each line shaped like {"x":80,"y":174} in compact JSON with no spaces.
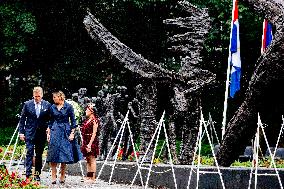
{"x":88,"y":148}
{"x":71,"y":136}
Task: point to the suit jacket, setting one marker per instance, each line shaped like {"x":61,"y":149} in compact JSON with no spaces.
{"x":29,"y":122}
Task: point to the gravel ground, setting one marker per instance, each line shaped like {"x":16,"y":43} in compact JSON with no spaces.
{"x":75,"y":182}
{"x":72,"y":181}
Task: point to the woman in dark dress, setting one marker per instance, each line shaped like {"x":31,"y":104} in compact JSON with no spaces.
{"x":60,"y":135}
{"x":90,"y":145}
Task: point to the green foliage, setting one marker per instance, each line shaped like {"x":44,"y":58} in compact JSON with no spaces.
{"x":263,"y":162}
{"x":206,"y":150}
{"x":279,"y":163}
{"x":6,"y":134}
{"x":78,"y":110}
{"x":267,"y":162}
{"x":205,"y":160}
{"x":17,"y":154}
{"x":160,"y":146}
{"x":241,"y":164}
{"x":13,"y":180}
{"x":209,"y":161}
{"x":16,"y":27}
{"x":11,"y":110}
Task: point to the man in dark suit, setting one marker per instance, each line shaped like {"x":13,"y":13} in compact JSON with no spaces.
{"x":32,"y":130}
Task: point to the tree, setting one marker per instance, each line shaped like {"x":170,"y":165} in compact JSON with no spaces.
{"x":17,"y":29}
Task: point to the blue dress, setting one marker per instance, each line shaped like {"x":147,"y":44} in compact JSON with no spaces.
{"x":60,"y":149}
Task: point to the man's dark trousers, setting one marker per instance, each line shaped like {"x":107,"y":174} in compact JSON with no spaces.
{"x":35,"y":148}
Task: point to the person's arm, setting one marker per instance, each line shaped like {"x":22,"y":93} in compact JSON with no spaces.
{"x":95,"y":128}
{"x":48,"y":134}
{"x":50,"y":117}
{"x":72,"y":118}
{"x":50,"y":123}
{"x":22,"y":123}
{"x":73,"y":124}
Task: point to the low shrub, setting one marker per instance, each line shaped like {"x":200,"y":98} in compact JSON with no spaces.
{"x":13,"y":180}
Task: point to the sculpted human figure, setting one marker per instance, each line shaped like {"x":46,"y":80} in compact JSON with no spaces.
{"x":121,"y":99}
{"x":100,"y":105}
{"x":81,"y":95}
{"x":185,"y":113}
{"x":134,"y":122}
{"x":177,"y":121}
{"x":75,"y":97}
{"x":147,"y":97}
{"x":109,"y":125}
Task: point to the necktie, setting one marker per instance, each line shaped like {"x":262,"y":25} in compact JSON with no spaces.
{"x":37,"y":109}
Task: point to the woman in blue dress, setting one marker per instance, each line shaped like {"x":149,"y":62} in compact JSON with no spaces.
{"x":60,"y":136}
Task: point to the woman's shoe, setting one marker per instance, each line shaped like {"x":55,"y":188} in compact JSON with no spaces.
{"x":62,"y":181}
{"x":53,"y":182}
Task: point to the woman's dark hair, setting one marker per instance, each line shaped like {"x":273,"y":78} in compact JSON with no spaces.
{"x":92,"y":108}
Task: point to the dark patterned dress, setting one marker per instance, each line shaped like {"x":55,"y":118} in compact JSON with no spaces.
{"x":87,"y":131}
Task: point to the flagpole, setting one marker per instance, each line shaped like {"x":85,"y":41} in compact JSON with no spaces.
{"x":227,"y":79}
{"x":226,"y":97}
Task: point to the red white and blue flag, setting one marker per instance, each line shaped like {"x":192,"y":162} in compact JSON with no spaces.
{"x":266,"y":35}
{"x":234,"y":55}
